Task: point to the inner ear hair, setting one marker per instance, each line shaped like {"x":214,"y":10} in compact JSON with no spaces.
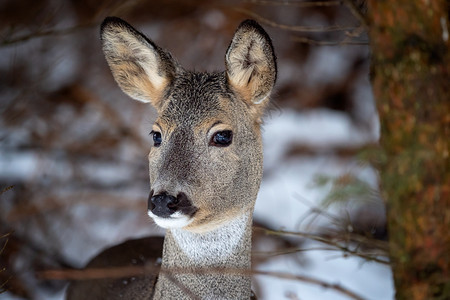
{"x":142,"y":69}
{"x":251,"y":63}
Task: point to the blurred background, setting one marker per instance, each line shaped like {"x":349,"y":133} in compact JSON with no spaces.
{"x":73,"y":147}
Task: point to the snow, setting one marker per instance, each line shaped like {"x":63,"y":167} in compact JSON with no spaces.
{"x":288,"y":193}
{"x":369,"y":280}
{"x":17,"y":165}
{"x":320,"y":129}
{"x":326,"y":65}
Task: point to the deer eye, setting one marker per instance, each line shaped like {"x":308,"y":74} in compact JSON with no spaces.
{"x":222,"y":138}
{"x":157,"y":139}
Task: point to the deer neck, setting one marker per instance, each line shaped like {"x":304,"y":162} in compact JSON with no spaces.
{"x":207,"y":263}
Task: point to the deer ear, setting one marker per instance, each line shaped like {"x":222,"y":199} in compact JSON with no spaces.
{"x":142,"y":69}
{"x":251,"y":64}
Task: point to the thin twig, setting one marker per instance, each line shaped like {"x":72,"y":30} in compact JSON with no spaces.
{"x":289,"y":251}
{"x":5,"y":235}
{"x":311,"y":280}
{"x":2,"y":289}
{"x":296,"y":3}
{"x":291,"y":27}
{"x":355,"y":11}
{"x":3,"y":284}
{"x":369,"y":256}
{"x":4,"y":245}
{"x":314,"y":237}
{"x":378,"y":244}
{"x":328,"y":43}
{"x":98,"y":273}
{"x":314,"y":210}
{"x":6,"y":189}
{"x":326,"y":241}
{"x":52,"y":32}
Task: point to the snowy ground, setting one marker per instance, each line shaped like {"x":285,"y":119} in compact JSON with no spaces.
{"x":286,"y":197}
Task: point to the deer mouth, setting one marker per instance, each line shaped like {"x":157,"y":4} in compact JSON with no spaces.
{"x":171,"y":212}
{"x":176,"y":220}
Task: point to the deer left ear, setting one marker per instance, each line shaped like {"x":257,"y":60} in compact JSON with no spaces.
{"x":251,"y":65}
{"x":142,"y":69}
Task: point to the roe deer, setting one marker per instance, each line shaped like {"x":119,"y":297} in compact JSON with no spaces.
{"x":205,"y":166}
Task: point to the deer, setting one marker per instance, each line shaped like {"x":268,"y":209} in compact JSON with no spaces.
{"x":205,"y":166}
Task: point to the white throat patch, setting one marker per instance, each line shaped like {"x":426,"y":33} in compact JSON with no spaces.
{"x":213,"y":246}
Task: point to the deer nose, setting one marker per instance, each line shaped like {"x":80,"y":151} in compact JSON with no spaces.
{"x":162,"y":205}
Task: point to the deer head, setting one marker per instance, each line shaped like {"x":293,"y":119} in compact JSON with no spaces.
{"x":206,"y":160}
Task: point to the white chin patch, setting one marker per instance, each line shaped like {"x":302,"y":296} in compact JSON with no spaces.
{"x":176,"y":220}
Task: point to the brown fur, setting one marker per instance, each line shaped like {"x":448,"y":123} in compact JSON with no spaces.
{"x":221,"y":182}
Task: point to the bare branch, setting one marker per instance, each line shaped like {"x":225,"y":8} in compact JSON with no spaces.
{"x":118,"y":272}
{"x":305,"y":40}
{"x":335,"y":247}
{"x":97,"y":273}
{"x":2,"y":286}
{"x":295,"y":3}
{"x":350,"y":4}
{"x":323,"y":284}
{"x":355,"y":11}
{"x":6,"y":242}
{"x":5,"y":235}
{"x":291,"y":27}
{"x":5,"y":190}
{"x":289,"y":251}
{"x":8,"y":41}
{"x":335,"y":244}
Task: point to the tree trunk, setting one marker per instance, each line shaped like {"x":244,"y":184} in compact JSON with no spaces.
{"x":411,"y":82}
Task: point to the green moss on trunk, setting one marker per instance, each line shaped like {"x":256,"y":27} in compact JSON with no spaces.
{"x":411,"y":82}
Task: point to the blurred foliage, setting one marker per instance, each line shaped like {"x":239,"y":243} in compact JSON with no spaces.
{"x":345,"y":188}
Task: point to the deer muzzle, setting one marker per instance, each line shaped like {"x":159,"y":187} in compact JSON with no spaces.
{"x":164,"y":205}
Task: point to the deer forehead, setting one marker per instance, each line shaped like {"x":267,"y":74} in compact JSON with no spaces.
{"x":198,"y":101}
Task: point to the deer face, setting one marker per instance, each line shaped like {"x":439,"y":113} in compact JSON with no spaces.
{"x":206,"y":161}
{"x":207,"y":155}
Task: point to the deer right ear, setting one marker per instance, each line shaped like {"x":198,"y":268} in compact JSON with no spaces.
{"x":251,"y":65}
{"x":142,"y":69}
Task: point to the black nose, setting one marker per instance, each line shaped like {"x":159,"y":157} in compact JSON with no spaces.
{"x":162,"y":205}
